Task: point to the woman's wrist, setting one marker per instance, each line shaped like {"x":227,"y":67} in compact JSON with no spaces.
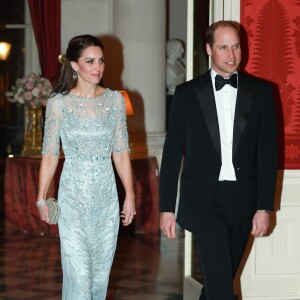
{"x":40,"y":202}
{"x":130,"y":196}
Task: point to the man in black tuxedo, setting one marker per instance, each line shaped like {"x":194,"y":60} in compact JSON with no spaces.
{"x":222,"y":131}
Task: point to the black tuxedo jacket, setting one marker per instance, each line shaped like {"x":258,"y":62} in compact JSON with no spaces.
{"x":193,"y":138}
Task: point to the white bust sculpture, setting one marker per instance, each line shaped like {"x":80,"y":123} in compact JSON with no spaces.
{"x":175,"y":67}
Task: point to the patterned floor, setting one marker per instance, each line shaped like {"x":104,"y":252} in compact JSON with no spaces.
{"x":145,"y":268}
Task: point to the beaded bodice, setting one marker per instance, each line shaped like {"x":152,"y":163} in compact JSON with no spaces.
{"x":89,"y":128}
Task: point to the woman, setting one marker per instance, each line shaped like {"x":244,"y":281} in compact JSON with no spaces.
{"x":90,"y":121}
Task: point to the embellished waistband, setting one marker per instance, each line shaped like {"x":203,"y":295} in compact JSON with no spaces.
{"x":88,"y":158}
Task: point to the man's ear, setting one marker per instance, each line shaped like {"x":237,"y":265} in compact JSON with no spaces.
{"x":208,"y":49}
{"x":74,"y":65}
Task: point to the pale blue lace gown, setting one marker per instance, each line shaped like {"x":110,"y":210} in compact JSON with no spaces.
{"x":90,"y":130}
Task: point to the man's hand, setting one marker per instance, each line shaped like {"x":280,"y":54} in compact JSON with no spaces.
{"x":168,"y":224}
{"x":260,"y":223}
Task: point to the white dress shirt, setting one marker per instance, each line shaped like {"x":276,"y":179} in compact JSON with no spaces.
{"x":225,"y":103}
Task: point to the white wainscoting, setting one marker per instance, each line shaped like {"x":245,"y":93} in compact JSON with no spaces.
{"x":272,"y":270}
{"x":271,"y":266}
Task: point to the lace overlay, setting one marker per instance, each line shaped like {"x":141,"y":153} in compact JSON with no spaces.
{"x":89,"y":130}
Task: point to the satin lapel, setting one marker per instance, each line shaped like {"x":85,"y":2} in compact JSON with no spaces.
{"x":206,"y":99}
{"x":243,"y":106}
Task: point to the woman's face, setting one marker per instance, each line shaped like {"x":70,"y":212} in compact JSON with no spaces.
{"x":90,"y":66}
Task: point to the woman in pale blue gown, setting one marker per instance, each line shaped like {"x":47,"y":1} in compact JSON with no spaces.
{"x":90,"y":123}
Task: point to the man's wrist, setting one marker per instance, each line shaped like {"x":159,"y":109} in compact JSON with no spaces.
{"x":267,"y":211}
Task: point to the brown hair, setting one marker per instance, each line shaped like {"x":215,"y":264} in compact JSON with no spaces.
{"x":210,"y":32}
{"x":75,"y":48}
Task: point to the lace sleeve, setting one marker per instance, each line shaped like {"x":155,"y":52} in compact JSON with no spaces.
{"x":51,"y":141}
{"x":121,"y":134}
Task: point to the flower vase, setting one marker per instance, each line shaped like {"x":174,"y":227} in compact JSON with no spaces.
{"x":33,"y":131}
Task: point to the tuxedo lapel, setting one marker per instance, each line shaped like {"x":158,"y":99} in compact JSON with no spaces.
{"x":206,"y":99}
{"x":243,"y":106}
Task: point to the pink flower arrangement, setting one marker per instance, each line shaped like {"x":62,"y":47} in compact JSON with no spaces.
{"x":31,"y":90}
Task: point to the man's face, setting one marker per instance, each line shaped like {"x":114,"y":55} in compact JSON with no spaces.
{"x":225,"y":52}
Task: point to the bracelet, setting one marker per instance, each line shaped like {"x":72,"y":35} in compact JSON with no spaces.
{"x":40,"y":202}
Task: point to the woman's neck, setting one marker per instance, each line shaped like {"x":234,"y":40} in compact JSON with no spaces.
{"x":87,"y":91}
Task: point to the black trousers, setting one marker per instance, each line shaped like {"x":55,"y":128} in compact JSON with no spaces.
{"x":221,"y":244}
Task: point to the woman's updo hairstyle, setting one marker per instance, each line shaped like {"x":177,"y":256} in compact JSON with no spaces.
{"x":79,"y":43}
{"x":74,"y":51}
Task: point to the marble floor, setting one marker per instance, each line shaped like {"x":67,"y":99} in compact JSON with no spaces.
{"x":146,"y":267}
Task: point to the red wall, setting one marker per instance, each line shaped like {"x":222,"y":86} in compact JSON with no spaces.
{"x":273,"y":30}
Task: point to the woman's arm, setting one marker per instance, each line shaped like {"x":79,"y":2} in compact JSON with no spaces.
{"x":123,"y":167}
{"x":47,"y":170}
{"x":51,"y":145}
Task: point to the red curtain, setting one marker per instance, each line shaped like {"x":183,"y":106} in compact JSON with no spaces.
{"x":45,"y":15}
{"x":273,"y":30}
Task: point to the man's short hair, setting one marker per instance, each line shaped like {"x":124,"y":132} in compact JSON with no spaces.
{"x":210,"y":32}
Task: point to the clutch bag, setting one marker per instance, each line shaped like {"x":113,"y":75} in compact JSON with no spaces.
{"x":53,"y":210}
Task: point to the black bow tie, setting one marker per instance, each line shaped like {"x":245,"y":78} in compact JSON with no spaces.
{"x":220,"y":81}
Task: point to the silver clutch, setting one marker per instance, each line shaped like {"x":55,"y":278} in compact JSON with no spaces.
{"x":53,"y":210}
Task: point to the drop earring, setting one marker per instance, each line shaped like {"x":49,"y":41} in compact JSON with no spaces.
{"x":75,"y":76}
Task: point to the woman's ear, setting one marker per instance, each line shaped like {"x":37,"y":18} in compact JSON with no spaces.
{"x":74,"y":65}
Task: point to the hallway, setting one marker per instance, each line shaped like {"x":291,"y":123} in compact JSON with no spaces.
{"x":146,"y":267}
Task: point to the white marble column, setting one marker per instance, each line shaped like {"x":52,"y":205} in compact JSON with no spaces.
{"x":140,"y":26}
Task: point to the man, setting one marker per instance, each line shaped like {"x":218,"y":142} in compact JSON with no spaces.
{"x":226,"y":138}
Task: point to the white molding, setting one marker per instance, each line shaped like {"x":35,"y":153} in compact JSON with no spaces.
{"x":277,"y":297}
{"x":217,"y":10}
{"x":190,"y":40}
{"x":187,"y":254}
{"x":232,"y":10}
{"x":191,"y":289}
{"x":272,"y":270}
{"x":32,"y":61}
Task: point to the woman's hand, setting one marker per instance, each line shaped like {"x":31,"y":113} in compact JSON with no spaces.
{"x":47,"y":169}
{"x":128,"y":212}
{"x":44,"y":214}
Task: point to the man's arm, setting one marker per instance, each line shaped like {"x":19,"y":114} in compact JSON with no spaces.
{"x":267,"y":167}
{"x":267,"y":154}
{"x":171,"y":163}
